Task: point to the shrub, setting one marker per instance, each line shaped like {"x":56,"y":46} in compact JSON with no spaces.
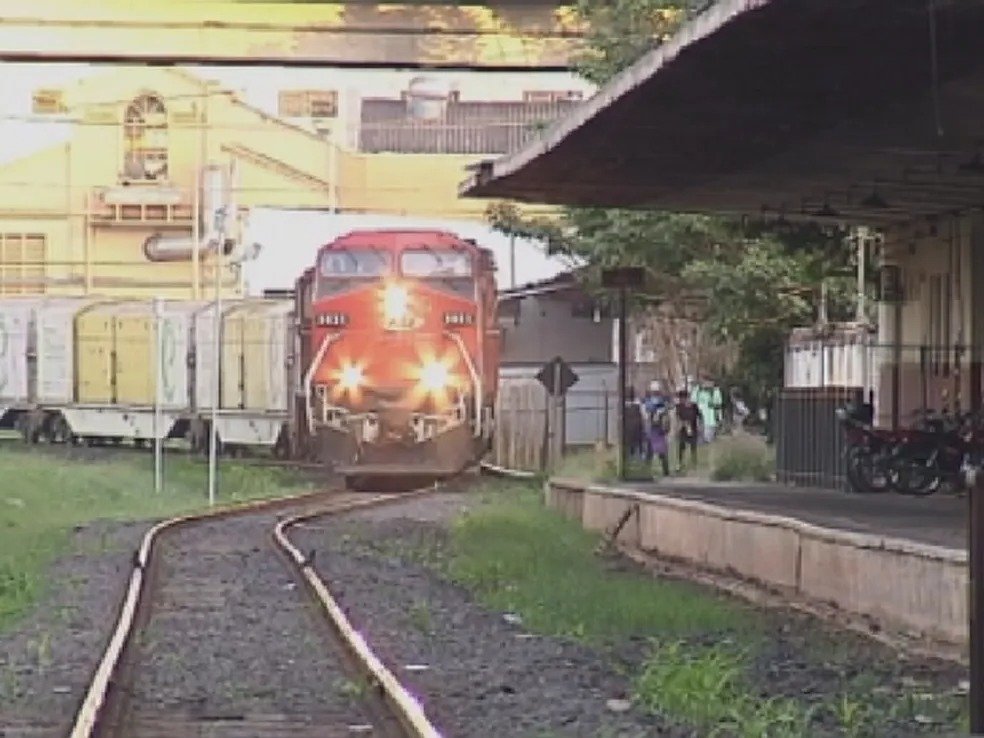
{"x":743,"y":458}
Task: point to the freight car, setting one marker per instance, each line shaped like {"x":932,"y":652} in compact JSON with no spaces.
{"x":400,"y":349}
{"x":85,"y":370}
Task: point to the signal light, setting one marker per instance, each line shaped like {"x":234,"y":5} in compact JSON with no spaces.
{"x":396,"y":305}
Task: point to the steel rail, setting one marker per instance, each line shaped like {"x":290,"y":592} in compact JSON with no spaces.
{"x":407,"y":709}
{"x":97,"y":696}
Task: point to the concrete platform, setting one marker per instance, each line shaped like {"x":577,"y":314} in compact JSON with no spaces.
{"x":895,"y":562}
{"x":939,"y":520}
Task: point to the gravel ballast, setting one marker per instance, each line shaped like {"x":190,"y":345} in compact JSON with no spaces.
{"x":481,"y":674}
{"x":46,"y":658}
{"x":233,"y":636}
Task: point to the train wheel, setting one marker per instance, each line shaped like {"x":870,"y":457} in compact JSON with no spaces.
{"x":281,"y":449}
{"x":59,"y":431}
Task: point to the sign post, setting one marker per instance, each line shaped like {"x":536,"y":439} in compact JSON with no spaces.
{"x":557,"y":377}
{"x":622,"y":279}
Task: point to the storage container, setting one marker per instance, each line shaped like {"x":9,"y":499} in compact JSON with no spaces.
{"x":16,"y":344}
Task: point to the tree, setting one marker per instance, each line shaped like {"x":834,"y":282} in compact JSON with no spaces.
{"x":753,"y":281}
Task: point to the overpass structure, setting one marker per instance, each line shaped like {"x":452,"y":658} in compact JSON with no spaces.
{"x":539,"y":34}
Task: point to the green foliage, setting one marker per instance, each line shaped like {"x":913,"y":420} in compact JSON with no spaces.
{"x":44,"y":497}
{"x":742,"y":458}
{"x":620,"y":31}
{"x":706,"y":687}
{"x":519,"y":557}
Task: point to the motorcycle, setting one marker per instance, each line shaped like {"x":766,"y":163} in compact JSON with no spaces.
{"x":935,"y":453}
{"x":866,"y":454}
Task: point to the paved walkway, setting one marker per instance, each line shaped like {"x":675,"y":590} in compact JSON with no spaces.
{"x":939,"y":519}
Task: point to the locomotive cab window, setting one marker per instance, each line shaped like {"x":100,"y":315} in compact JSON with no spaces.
{"x":354,"y":263}
{"x":436,"y":263}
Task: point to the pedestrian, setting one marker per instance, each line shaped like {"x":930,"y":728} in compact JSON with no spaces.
{"x":739,"y":410}
{"x":659,"y":430}
{"x":707,"y":395}
{"x":689,"y":418}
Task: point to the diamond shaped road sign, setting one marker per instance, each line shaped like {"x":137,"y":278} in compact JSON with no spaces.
{"x":548,"y":376}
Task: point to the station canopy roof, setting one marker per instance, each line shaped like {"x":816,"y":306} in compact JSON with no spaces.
{"x":868,"y":111}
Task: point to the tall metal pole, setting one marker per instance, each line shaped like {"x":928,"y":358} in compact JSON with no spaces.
{"x":512,"y":260}
{"x":975,"y":557}
{"x":216,"y":358}
{"x":623,"y":351}
{"x":862,"y":307}
{"x":158,"y":401}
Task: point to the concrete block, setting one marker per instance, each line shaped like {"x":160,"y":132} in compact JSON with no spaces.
{"x":915,"y":592}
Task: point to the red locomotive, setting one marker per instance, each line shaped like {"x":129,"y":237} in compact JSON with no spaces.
{"x":399,"y":353}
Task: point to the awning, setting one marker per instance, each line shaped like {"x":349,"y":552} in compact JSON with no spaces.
{"x":850,"y":110}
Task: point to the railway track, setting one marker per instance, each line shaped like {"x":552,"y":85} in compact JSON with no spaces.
{"x":226,"y":631}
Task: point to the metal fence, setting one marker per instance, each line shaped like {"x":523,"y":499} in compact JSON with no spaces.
{"x":809,"y":440}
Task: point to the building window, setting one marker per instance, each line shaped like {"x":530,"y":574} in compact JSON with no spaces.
{"x":308,"y":103}
{"x":939,"y":324}
{"x":145,"y":135}
{"x":22,"y":257}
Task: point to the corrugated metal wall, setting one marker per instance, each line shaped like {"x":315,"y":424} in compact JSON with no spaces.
{"x":467,"y":127}
{"x":809,"y":439}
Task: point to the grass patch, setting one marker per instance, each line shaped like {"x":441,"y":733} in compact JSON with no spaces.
{"x":45,"y":496}
{"x":706,"y":688}
{"x":739,"y":458}
{"x":517,"y":556}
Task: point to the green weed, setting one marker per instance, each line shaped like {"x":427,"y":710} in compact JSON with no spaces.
{"x":705,"y":687}
{"x":45,"y":496}
{"x":420,"y":617}
{"x":519,"y":557}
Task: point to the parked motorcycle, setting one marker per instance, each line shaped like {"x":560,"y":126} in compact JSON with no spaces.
{"x":935,"y":453}
{"x":867,"y":452}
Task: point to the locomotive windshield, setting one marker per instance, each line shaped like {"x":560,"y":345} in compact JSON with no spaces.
{"x":439,"y":263}
{"x":355,"y":263}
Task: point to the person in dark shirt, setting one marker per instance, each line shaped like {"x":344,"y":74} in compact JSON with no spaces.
{"x":689,"y":418}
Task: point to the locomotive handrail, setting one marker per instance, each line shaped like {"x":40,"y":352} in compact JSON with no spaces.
{"x":327,"y":341}
{"x":475,"y":378}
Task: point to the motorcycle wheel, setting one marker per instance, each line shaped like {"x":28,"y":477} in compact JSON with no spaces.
{"x":915,"y":478}
{"x":864,"y":472}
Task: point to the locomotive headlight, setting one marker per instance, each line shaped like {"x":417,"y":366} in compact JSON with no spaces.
{"x":351,"y":377}
{"x":434,"y":376}
{"x":396,"y":303}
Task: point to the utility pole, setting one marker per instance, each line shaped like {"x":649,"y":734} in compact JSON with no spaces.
{"x":158,"y":387}
{"x":975,"y":559}
{"x":220,"y":226}
{"x":512,"y":260}
{"x":623,"y":374}
{"x":623,"y":279}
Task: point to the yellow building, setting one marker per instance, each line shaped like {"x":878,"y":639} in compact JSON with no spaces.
{"x":126,"y":203}
{"x":117,"y":208}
